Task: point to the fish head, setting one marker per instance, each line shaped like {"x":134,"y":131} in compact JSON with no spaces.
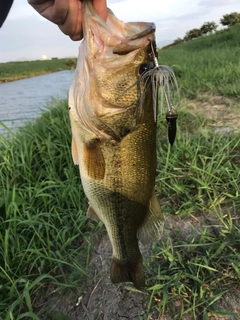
{"x":114,"y":46}
{"x":111,"y":57}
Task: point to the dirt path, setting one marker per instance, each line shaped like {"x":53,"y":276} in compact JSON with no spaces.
{"x":223,"y":113}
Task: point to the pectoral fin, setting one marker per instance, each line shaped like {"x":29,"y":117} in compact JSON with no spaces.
{"x":152,"y":228}
{"x":94,"y":160}
{"x":74,"y":152}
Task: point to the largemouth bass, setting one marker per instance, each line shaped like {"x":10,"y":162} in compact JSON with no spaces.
{"x":114,"y":124}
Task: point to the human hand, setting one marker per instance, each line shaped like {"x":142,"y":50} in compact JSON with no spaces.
{"x":67,"y":14}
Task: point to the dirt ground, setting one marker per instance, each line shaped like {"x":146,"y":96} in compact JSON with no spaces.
{"x":223,"y":113}
{"x":105,"y":301}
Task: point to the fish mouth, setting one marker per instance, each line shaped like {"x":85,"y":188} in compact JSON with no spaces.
{"x":122,"y":38}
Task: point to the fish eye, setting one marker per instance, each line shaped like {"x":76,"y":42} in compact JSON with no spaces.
{"x":144,"y":67}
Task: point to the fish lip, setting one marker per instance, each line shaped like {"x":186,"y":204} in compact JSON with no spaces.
{"x":132,"y":42}
{"x":151,"y":28}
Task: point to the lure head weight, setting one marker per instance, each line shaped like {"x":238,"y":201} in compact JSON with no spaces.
{"x":171,"y":118}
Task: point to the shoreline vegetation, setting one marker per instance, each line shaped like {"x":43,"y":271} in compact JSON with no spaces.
{"x":20,"y":77}
{"x":17,"y":70}
{"x":53,"y":259}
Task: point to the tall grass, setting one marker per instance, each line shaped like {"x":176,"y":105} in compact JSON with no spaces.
{"x":207,"y":64}
{"x":199,"y":179}
{"x":42,"y":212}
{"x":201,"y":171}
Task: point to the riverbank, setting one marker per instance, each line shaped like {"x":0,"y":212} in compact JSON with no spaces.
{"x":12,"y":71}
{"x":26,"y":99}
{"x":20,"y":77}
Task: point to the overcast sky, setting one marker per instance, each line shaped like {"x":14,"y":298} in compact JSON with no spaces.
{"x":25,"y":35}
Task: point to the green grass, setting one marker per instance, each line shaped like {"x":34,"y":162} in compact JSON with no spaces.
{"x":207,"y":64}
{"x":42,"y":212}
{"x":192,"y":277}
{"x":44,"y":230}
{"x":198,"y":178}
{"x":14,"y":70}
{"x":197,"y":170}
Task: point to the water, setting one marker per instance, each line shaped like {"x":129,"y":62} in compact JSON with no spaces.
{"x":26,"y":99}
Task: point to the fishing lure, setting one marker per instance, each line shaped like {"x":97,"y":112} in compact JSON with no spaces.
{"x":171,"y":118}
{"x":162,"y":77}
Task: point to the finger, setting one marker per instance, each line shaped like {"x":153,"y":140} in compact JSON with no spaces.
{"x":53,"y":10}
{"x":72,"y":26}
{"x":101,"y":8}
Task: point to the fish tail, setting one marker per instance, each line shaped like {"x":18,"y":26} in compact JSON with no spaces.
{"x":125,"y":271}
